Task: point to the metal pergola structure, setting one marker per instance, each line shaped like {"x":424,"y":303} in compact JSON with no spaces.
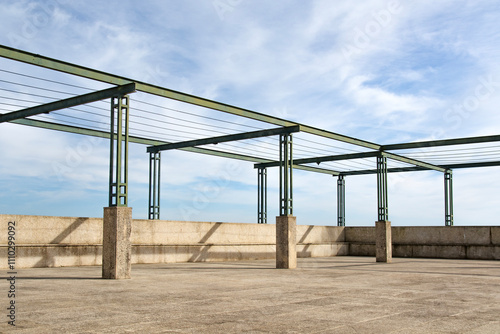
{"x":416,"y":156}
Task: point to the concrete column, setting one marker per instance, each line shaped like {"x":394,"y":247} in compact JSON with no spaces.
{"x":286,"y":236}
{"x":116,"y":247}
{"x":383,"y":241}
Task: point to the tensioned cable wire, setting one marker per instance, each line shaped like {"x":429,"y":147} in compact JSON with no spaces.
{"x":46,"y":80}
{"x":34,"y":87}
{"x":155,"y":105}
{"x":176,"y":110}
{"x":464,"y":155}
{"x":495,"y":144}
{"x":243,"y":125}
{"x":152,"y":119}
{"x":346,"y":165}
{"x":151,"y":104}
{"x":132,"y":129}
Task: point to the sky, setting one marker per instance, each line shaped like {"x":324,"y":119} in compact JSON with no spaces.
{"x":383,"y":71}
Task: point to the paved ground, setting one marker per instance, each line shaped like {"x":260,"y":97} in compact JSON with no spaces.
{"x":325,"y":295}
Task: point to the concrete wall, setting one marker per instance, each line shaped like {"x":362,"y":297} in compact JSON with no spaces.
{"x":66,"y":241}
{"x":452,"y":242}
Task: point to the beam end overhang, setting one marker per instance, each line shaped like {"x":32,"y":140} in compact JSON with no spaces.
{"x":69,"y":102}
{"x":226,"y":138}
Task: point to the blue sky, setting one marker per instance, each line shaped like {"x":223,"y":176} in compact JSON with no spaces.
{"x":382,"y":71}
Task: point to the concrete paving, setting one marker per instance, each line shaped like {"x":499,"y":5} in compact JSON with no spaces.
{"x":323,"y":295}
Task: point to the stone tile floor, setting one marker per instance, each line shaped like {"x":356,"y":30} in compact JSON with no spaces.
{"x":324,"y":295}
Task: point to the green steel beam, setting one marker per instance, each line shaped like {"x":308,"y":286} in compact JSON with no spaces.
{"x":389,"y":170}
{"x":70,"y":102}
{"x":445,"y":142}
{"x":149,"y":142}
{"x":412,"y":161}
{"x":58,"y":65}
{"x":73,"y":69}
{"x":133,"y":139}
{"x":473,"y":165}
{"x":355,"y":156}
{"x":323,"y":159}
{"x":316,"y":170}
{"x":223,"y":139}
{"x":417,"y":169}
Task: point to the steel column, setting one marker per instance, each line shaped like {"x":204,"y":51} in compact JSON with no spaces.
{"x":382,"y":198}
{"x":119,"y":139}
{"x":448,"y":197}
{"x":262,"y":196}
{"x":286,"y":175}
{"x":154,"y":185}
{"x":341,"y":201}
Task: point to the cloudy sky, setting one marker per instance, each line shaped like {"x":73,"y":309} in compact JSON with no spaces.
{"x":383,"y":71}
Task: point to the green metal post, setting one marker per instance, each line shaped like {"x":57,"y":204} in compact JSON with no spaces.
{"x":286,"y":175}
{"x":448,"y":197}
{"x":119,"y":139}
{"x":154,"y":185}
{"x":341,"y":201}
{"x":382,"y":198}
{"x":262,"y":196}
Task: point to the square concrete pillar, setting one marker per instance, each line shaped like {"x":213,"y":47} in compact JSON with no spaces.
{"x":286,"y":236}
{"x":116,"y":246}
{"x":383,"y":241}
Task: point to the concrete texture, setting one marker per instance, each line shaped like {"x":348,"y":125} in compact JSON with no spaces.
{"x":70,"y":241}
{"x":323,"y":295}
{"x":116,"y":246}
{"x":383,"y":241}
{"x":286,"y":241}
{"x":449,"y":242}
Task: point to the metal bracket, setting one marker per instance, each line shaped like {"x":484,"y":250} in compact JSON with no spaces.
{"x":154,"y":185}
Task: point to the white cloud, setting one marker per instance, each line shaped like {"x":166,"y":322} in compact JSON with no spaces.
{"x":404,"y":72}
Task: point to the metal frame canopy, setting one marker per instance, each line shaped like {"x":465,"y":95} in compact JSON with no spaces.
{"x":340,"y":155}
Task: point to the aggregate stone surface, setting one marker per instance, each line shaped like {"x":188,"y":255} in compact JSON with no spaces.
{"x":323,"y":295}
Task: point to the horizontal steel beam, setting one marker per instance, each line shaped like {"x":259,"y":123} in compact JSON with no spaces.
{"x":224,"y":139}
{"x":69,"y":102}
{"x":389,"y":170}
{"x":54,"y":64}
{"x":474,"y":165}
{"x":322,"y":159}
{"x":146,"y":141}
{"x":412,"y":161}
{"x":356,"y":156}
{"x":444,"y":142}
{"x":417,"y":169}
{"x":316,"y":170}
{"x":133,"y":139}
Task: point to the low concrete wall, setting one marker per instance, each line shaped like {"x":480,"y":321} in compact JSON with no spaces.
{"x":450,"y":242}
{"x":68,"y":241}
